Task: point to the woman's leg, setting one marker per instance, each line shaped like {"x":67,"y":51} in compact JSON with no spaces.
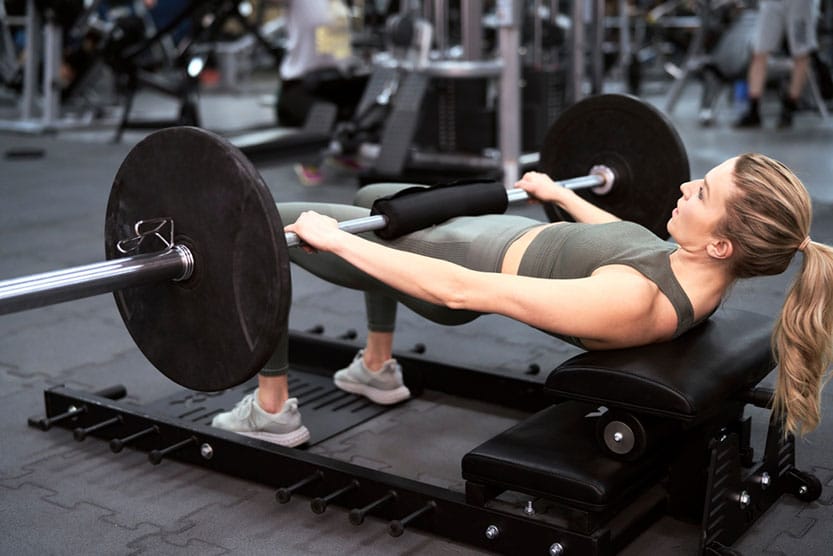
{"x":268,"y":413}
{"x":475,"y":242}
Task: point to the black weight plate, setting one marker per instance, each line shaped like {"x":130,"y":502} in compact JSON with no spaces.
{"x":216,"y":329}
{"x":636,"y":141}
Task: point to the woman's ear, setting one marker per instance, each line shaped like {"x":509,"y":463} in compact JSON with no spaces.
{"x":720,"y":248}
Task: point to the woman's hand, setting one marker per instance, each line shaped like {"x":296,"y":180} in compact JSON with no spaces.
{"x":540,"y":187}
{"x":316,"y":231}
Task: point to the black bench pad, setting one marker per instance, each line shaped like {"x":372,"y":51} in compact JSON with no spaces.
{"x":553,"y":454}
{"x":686,"y":378}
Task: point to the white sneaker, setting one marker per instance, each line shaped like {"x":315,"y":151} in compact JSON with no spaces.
{"x":384,"y":387}
{"x":249,"y":419}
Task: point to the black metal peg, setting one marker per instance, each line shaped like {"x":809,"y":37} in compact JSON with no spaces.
{"x":397,"y":526}
{"x":115,"y":392}
{"x":319,"y":504}
{"x":357,"y":514}
{"x":117,"y":444}
{"x":45,"y":423}
{"x":284,"y":494}
{"x":80,"y":433}
{"x":156,"y":456}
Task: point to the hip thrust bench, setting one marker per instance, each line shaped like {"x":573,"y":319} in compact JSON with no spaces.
{"x":662,"y":423}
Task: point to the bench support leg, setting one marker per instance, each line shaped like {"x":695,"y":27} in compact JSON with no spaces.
{"x":732,"y":503}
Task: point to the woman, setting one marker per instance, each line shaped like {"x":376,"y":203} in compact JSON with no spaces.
{"x":747,"y":217}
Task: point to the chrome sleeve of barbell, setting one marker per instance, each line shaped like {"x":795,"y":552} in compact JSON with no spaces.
{"x":514,"y":195}
{"x":583,"y":182}
{"x":353,"y":226}
{"x":48,"y":288}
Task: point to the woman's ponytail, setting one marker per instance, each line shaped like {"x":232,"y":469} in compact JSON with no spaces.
{"x":803,"y":342}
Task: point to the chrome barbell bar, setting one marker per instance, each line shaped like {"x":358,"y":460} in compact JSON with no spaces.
{"x":177,"y":263}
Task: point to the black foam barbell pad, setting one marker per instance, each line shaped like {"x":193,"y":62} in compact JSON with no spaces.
{"x":417,"y":208}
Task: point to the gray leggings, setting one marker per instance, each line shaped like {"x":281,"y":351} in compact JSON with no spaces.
{"x":477,"y":242}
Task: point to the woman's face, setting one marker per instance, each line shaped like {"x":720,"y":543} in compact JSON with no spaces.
{"x":702,"y":206}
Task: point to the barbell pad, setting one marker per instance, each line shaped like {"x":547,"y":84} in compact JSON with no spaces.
{"x":417,"y":208}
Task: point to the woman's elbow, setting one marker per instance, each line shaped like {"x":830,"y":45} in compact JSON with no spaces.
{"x":454,"y":298}
{"x":454,"y":295}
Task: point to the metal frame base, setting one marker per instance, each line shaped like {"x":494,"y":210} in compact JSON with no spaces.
{"x":732,"y":504}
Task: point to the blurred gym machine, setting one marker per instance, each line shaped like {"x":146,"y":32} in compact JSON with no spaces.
{"x":478,"y":105}
{"x":39,"y":101}
{"x":208,"y":18}
{"x":121,"y":42}
{"x":72,"y":56}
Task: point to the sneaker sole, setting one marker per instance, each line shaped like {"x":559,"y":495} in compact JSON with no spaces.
{"x":382,"y":397}
{"x":288,"y":439}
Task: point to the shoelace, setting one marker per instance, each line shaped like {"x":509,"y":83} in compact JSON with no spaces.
{"x":244,"y":406}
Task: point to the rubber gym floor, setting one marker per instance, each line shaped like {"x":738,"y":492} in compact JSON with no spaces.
{"x":59,"y":496}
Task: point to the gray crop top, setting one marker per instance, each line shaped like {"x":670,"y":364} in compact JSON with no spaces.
{"x":574,"y":250}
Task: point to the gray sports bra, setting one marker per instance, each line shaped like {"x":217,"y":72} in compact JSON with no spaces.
{"x":574,"y":250}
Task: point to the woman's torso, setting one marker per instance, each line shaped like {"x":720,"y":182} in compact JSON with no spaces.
{"x":570,"y":250}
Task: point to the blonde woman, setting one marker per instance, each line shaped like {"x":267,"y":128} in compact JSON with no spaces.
{"x":748,"y":216}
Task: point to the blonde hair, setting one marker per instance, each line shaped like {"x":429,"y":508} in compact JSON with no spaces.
{"x":767,"y":221}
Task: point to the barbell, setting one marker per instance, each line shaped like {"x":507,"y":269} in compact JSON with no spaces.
{"x":200,"y":272}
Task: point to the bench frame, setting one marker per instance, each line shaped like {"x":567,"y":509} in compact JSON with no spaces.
{"x":449,"y":513}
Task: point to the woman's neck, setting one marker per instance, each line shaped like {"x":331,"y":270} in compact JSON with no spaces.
{"x":704,"y":278}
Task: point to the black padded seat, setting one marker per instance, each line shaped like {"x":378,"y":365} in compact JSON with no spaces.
{"x":685,"y":379}
{"x":553,"y":454}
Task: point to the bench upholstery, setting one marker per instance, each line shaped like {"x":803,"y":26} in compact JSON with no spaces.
{"x":685,"y":379}
{"x":553,"y":454}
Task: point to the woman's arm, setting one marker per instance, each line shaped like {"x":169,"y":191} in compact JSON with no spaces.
{"x":544,"y":189}
{"x":610,"y":309}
